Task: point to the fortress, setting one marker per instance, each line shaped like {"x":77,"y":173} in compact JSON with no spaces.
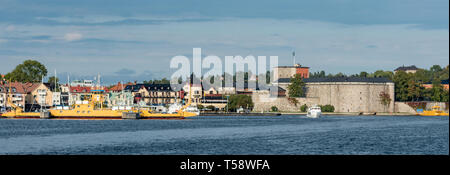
{"x":346,"y":94}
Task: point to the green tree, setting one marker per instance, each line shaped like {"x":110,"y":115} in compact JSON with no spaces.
{"x":423,"y":76}
{"x":28,"y":71}
{"x":52,"y":80}
{"x":437,"y":92}
{"x":327,"y":108}
{"x":238,"y":100}
{"x":303,"y":108}
{"x":274,"y":109}
{"x":413,"y":90}
{"x":211,"y":107}
{"x":363,"y":74}
{"x":382,"y":74}
{"x":401,"y":80}
{"x":297,"y":86}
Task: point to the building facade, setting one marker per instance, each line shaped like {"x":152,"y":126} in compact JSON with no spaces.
{"x":289,"y":71}
{"x":407,"y":69}
{"x":154,"y":94}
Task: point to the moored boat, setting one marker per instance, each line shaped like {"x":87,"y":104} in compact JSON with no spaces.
{"x":314,"y":112}
{"x":92,"y":108}
{"x":435,"y":111}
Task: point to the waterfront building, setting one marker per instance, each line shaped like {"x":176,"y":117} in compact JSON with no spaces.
{"x":155,"y":94}
{"x":197,"y":93}
{"x":29,"y":96}
{"x":212,"y":97}
{"x":40,"y":96}
{"x":122,"y":98}
{"x":78,"y":93}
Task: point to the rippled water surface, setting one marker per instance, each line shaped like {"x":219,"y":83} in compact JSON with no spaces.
{"x":229,"y":135}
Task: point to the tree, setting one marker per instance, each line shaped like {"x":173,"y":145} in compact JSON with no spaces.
{"x":327,"y":108}
{"x":401,"y":80}
{"x":297,"y":86}
{"x":363,"y":74}
{"x":238,"y":100}
{"x":437,"y":92}
{"x":303,"y":108}
{"x":29,"y":71}
{"x":413,"y":90}
{"x":274,"y":109}
{"x":211,"y":107}
{"x":382,"y":74}
{"x":385,"y":99}
{"x":52,"y":80}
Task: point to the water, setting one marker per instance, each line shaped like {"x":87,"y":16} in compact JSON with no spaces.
{"x":290,"y":135}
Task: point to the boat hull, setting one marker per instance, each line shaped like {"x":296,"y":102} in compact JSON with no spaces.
{"x":96,"y":115}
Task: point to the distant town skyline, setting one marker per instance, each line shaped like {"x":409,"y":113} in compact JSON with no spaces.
{"x":136,"y":40}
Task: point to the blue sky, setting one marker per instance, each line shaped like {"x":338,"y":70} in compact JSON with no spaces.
{"x":135,"y":40}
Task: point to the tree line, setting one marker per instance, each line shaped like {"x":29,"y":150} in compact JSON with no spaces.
{"x":408,"y":86}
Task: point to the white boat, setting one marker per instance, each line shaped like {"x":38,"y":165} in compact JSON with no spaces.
{"x":174,"y":108}
{"x":192,"y":109}
{"x":314,"y":112}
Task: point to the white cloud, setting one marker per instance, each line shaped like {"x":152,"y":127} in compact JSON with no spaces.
{"x":72,"y":36}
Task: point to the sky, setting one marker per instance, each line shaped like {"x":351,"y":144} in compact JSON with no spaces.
{"x":136,"y":39}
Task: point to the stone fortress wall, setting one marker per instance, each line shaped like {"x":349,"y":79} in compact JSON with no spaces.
{"x":344,"y":96}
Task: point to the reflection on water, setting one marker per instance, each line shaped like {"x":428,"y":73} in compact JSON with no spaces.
{"x":229,"y":135}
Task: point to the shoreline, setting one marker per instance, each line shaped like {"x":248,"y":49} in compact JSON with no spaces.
{"x":304,"y":113}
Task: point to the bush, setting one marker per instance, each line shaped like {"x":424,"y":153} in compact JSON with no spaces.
{"x":274,"y":109}
{"x":238,"y":100}
{"x":211,"y":107}
{"x":200,"y":107}
{"x":303,"y":108}
{"x":327,"y":108}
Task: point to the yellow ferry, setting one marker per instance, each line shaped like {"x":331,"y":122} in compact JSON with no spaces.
{"x":92,"y":108}
{"x":435,"y":111}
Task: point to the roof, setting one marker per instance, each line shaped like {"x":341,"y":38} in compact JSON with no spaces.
{"x":340,"y":79}
{"x":442,"y":82}
{"x":149,"y":87}
{"x":21,"y":88}
{"x":405,"y":68}
{"x":291,"y":67}
{"x":119,"y":87}
{"x":79,"y":89}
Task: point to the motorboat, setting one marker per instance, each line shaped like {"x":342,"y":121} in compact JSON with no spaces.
{"x":314,"y":112}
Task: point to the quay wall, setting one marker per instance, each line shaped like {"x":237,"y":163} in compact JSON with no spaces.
{"x":263,"y":102}
{"x":344,"y":96}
